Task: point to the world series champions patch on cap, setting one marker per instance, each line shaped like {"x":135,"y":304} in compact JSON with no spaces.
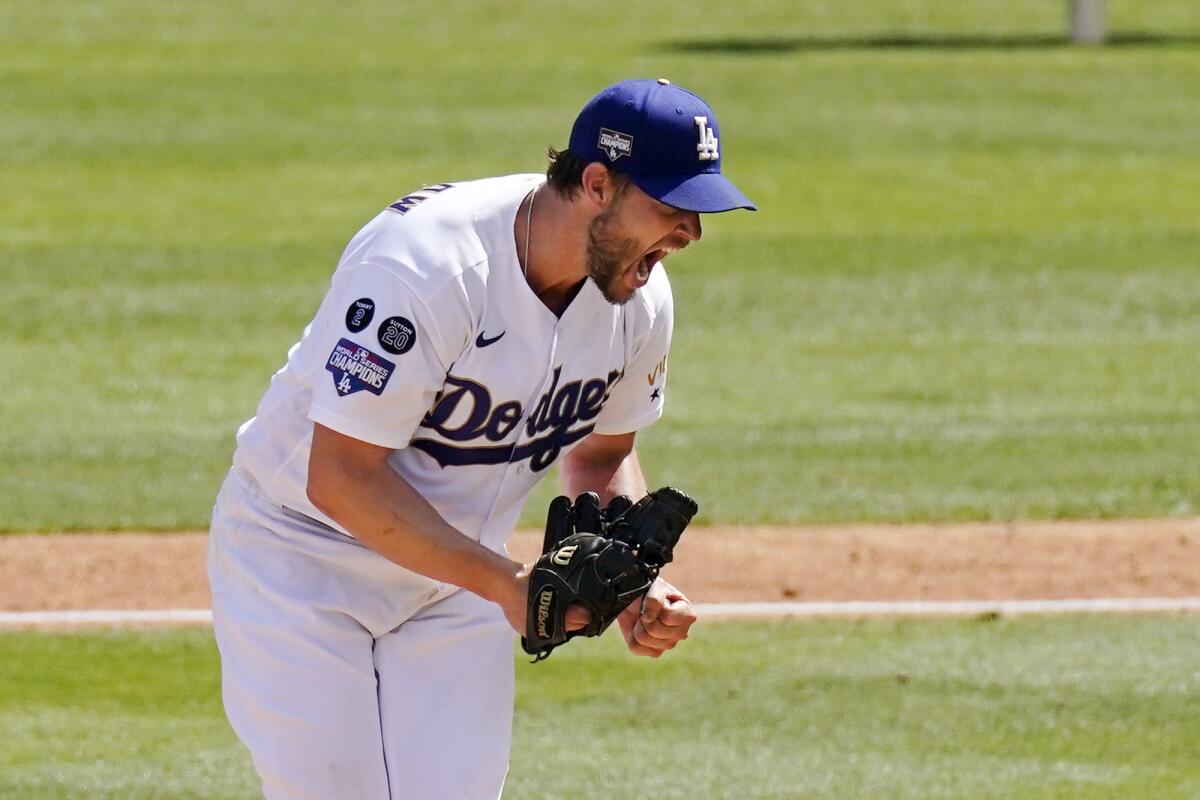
{"x":665,"y":138}
{"x":615,"y":144}
{"x":355,"y":368}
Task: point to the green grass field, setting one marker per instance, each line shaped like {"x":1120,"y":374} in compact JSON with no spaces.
{"x":971,"y":293}
{"x":1088,"y":708}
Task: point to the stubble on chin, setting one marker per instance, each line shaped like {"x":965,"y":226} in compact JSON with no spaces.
{"x":609,"y":255}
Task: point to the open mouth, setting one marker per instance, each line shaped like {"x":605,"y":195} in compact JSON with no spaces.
{"x":647,"y":263}
{"x":643,"y":269}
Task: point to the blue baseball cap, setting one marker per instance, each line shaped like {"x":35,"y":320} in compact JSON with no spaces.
{"x":663,"y":137}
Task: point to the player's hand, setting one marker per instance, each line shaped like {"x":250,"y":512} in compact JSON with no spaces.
{"x":577,"y":618}
{"x":515,"y":604}
{"x":512,"y":600}
{"x":661,"y":622}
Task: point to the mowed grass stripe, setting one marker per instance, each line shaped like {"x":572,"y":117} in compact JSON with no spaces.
{"x":1091,"y":707}
{"x":753,"y":610}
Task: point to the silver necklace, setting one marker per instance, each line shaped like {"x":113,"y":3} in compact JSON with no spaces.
{"x":528,"y":227}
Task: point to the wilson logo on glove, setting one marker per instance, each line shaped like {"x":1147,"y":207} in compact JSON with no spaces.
{"x":565,"y":554}
{"x":545,"y":607}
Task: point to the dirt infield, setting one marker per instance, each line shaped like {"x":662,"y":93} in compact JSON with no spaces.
{"x":1036,"y":560}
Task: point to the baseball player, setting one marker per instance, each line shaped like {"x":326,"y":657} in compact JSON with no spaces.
{"x":474,"y":334}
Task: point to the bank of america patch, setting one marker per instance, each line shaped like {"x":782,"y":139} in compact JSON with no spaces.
{"x":355,"y":368}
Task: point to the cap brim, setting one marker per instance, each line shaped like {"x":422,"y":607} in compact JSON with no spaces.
{"x":708,"y":192}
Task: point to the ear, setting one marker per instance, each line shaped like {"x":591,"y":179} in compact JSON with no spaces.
{"x":599,"y":185}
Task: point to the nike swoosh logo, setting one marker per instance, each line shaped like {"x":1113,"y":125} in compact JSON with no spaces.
{"x":483,"y":341}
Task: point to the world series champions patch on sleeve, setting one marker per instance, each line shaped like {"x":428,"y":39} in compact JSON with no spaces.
{"x":355,"y":368}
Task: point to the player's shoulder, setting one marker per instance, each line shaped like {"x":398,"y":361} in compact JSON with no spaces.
{"x":440,"y":235}
{"x":460,"y":206}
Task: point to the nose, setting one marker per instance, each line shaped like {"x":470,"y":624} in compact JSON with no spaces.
{"x":689,"y":226}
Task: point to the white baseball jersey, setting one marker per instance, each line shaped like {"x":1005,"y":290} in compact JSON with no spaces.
{"x":431,"y":342}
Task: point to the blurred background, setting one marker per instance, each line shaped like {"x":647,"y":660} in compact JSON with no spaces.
{"x":971,"y":292}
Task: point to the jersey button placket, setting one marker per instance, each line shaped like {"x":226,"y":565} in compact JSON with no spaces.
{"x":518,"y":467}
{"x":525,"y":435}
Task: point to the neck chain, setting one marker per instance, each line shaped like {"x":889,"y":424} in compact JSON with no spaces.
{"x":528,"y":227}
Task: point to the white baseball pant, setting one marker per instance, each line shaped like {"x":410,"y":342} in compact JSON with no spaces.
{"x":346,"y":676}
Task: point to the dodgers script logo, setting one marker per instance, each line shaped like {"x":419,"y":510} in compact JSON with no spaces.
{"x":464,"y":413}
{"x":355,"y":368}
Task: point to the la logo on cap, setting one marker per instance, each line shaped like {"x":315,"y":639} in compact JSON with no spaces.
{"x":707,"y":148}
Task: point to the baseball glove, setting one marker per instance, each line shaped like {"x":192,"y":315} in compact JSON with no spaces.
{"x":602,"y":559}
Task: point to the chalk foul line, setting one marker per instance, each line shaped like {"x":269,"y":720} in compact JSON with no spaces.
{"x":932,"y":608}
{"x":105,"y":617}
{"x":883,"y":608}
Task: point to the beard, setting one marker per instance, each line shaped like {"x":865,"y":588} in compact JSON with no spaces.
{"x":610,"y":254}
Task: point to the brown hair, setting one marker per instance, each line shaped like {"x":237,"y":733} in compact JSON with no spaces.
{"x":564,"y":173}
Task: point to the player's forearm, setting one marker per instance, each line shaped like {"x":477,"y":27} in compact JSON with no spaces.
{"x":389,"y":516}
{"x":595,"y":466}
